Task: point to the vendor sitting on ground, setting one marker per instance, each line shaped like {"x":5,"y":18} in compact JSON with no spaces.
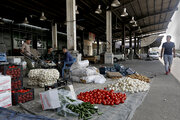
{"x":49,"y":56}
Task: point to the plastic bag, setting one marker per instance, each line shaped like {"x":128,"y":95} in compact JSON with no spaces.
{"x":80,"y":64}
{"x":100,"y":79}
{"x":65,"y":98}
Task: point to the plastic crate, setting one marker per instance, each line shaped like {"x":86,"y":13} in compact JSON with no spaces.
{"x":6,"y":114}
{"x":16,"y":84}
{"x":22,"y":97}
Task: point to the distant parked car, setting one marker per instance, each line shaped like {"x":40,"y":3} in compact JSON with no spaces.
{"x":154,"y":55}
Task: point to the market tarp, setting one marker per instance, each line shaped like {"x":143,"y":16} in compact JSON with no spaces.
{"x":116,"y":112}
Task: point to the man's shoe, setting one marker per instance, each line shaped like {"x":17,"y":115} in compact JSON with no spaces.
{"x":167,"y":73}
{"x":169,"y":70}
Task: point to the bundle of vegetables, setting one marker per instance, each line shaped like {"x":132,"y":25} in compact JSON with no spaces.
{"x":43,"y":77}
{"x":128,"y":84}
{"x":84,"y":110}
{"x":102,"y":97}
{"x":140,"y":77}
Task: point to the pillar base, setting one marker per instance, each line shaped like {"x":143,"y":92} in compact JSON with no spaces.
{"x":131,"y":54}
{"x":109,"y":58}
{"x":76,"y":55}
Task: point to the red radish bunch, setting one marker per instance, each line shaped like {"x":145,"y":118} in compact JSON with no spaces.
{"x":102,"y":97}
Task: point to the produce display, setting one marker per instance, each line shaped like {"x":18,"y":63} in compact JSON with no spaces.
{"x":139,"y":77}
{"x":22,"y":95}
{"x":43,"y":77}
{"x":85,"y":110}
{"x":15,"y":72}
{"x":127,"y":84}
{"x":102,"y":97}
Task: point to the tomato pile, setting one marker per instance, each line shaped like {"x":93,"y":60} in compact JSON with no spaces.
{"x":14,"y":73}
{"x":102,"y":97}
{"x":20,"y":91}
{"x":21,"y":96}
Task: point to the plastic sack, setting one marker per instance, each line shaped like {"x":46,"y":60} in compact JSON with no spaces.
{"x":84,"y":72}
{"x":100,"y":79}
{"x":80,"y":64}
{"x":49,"y":99}
{"x":64,"y":99}
{"x":75,"y":78}
{"x":94,"y":78}
{"x":129,"y":71}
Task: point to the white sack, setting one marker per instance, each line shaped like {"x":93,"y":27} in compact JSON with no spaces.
{"x":84,"y":72}
{"x":100,"y":79}
{"x":75,"y":78}
{"x":94,"y":78}
{"x":80,"y":64}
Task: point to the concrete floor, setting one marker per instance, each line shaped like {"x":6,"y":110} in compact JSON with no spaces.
{"x":163,"y":99}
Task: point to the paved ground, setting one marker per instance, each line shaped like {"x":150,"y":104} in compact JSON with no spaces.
{"x":163,"y":99}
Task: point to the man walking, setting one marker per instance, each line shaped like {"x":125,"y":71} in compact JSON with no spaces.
{"x":166,"y":51}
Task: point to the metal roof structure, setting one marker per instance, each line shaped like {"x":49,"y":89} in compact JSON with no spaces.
{"x":151,"y":15}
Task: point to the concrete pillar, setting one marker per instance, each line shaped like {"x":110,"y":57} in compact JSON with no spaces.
{"x":123,"y":41}
{"x":71,"y":28}
{"x":97,"y":46}
{"x":71,"y":24}
{"x":54,"y":36}
{"x":130,"y":46}
{"x":109,"y":31}
{"x":135,"y":46}
{"x":82,"y":43}
{"x":108,"y":59}
{"x":138,"y":45}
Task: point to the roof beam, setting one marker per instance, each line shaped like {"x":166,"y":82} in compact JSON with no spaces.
{"x":154,"y":31}
{"x":159,"y":23}
{"x":154,"y":14}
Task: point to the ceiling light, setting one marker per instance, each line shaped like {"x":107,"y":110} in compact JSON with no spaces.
{"x":124,"y":14}
{"x":26,"y":21}
{"x":132,"y":21}
{"x":77,"y":12}
{"x":139,"y":29}
{"x":98,"y":10}
{"x":135,"y":24}
{"x":42,"y":18}
{"x":115,"y":3}
{"x":1,"y":21}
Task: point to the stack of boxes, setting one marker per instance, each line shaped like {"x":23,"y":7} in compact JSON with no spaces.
{"x":5,"y":91}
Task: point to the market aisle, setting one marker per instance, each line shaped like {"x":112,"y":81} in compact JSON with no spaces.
{"x":163,"y":100}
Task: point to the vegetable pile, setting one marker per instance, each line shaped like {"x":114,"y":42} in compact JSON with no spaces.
{"x":139,"y":77}
{"x":84,"y":110}
{"x":102,"y":97}
{"x":128,"y":84}
{"x":43,"y":77}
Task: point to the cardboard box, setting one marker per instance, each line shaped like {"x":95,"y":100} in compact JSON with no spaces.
{"x":5,"y":99}
{"x":5,"y":83}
